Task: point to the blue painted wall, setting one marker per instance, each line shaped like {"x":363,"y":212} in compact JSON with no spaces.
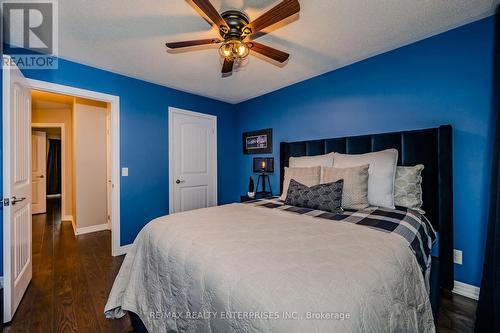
{"x":144,"y":138}
{"x":446,"y":79}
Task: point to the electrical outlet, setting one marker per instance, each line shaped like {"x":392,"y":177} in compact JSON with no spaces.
{"x":124,"y":172}
{"x":457,"y":257}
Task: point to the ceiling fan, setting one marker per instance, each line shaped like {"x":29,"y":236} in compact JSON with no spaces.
{"x":235,"y":27}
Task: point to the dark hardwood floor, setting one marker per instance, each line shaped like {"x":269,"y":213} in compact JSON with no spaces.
{"x":72,"y":277}
{"x":456,"y":314}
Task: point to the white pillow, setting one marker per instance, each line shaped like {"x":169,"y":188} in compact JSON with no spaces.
{"x":381,"y":174}
{"x":311,"y":161}
{"x":306,"y":176}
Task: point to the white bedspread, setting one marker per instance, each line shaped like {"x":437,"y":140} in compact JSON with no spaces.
{"x":248,"y":269}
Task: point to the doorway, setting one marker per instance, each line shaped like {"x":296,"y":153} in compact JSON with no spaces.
{"x":47,"y":165}
{"x":192,"y":160}
{"x":113,"y":130}
{"x":82,"y":164}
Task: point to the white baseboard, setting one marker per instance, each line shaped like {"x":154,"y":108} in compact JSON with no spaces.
{"x":466,"y":290}
{"x":123,"y":250}
{"x":94,"y":228}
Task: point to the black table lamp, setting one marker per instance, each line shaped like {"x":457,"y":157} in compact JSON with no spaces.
{"x":263,"y":166}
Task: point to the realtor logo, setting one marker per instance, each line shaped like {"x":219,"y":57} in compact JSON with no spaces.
{"x":29,"y":33}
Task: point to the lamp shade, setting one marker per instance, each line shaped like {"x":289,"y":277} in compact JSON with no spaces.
{"x":263,"y":164}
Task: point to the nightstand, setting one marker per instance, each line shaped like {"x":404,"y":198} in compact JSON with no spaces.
{"x":245,"y":198}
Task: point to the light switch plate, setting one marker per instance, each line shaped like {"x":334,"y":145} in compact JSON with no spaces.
{"x":457,"y":257}
{"x":124,"y":172}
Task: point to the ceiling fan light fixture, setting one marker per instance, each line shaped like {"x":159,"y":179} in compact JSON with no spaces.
{"x":234,"y":49}
{"x":243,"y":50}
{"x":226,"y":50}
{"x":234,"y":27}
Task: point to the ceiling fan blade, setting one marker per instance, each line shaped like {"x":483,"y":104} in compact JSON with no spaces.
{"x":188,"y":43}
{"x":206,"y":7}
{"x":278,"y":13}
{"x":269,"y":52}
{"x":228,"y":66}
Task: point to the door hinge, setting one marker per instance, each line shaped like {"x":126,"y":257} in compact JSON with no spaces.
{"x":6,"y":202}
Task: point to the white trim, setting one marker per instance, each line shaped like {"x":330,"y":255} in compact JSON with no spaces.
{"x":92,"y":228}
{"x":115,"y":143}
{"x":171,"y":111}
{"x":466,"y":290}
{"x":63,"y":158}
{"x":124,"y":249}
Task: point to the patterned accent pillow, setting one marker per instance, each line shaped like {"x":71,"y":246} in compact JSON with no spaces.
{"x":355,"y":189}
{"x":408,"y":187}
{"x":327,"y":197}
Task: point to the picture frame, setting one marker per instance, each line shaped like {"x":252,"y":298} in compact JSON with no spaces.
{"x":258,"y":142}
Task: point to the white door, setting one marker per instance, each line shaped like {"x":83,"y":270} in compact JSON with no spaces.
{"x":39,"y":172}
{"x":193,"y":160}
{"x":16,"y":188}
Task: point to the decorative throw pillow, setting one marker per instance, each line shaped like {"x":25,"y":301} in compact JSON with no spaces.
{"x":355,"y":189}
{"x":408,"y":187}
{"x":307,"y":176}
{"x":380,"y":174}
{"x":327,"y":197}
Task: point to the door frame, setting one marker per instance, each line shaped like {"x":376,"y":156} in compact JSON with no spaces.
{"x":116,"y":247}
{"x":171,"y":178}
{"x":64,"y":216}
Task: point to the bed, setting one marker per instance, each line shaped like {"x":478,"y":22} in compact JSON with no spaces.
{"x":248,"y":268}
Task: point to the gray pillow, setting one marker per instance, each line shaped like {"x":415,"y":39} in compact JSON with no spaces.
{"x":355,"y":188}
{"x":408,"y":187}
{"x":327,"y":197}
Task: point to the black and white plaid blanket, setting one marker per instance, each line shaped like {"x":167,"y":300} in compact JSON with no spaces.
{"x":412,"y":226}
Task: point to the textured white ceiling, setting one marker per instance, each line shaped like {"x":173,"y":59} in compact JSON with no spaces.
{"x":128,"y":37}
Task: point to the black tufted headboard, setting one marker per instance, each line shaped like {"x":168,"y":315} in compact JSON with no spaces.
{"x":430,"y":147}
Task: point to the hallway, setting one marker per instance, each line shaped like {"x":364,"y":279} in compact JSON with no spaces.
{"x":72,"y":277}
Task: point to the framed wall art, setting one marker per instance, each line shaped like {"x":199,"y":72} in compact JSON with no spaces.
{"x":258,"y":142}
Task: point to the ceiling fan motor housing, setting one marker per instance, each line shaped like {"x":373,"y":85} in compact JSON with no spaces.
{"x":236,"y":21}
